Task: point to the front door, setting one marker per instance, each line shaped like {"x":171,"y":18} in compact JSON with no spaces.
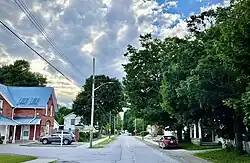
{"x":26,"y":132}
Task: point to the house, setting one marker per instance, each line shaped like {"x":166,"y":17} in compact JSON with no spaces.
{"x":56,"y":125}
{"x":70,"y":121}
{"x":26,"y":113}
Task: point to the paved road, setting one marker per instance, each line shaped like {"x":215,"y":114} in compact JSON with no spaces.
{"x":126,"y":149}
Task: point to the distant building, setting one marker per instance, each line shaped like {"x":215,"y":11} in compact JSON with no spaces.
{"x":70,"y":121}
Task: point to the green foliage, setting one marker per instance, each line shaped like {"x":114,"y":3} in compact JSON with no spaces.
{"x":143,"y":80}
{"x":144,"y":133}
{"x":19,"y":74}
{"x":223,"y":156}
{"x":15,"y":158}
{"x":84,"y":136}
{"x":108,"y":97}
{"x":60,"y":113}
{"x":128,"y":121}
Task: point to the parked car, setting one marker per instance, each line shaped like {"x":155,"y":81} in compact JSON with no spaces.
{"x":168,"y":142}
{"x":67,"y":133}
{"x":1,"y":141}
{"x":56,"y":138}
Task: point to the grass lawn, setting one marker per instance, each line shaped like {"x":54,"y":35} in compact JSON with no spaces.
{"x":105,"y":142}
{"x":223,"y":156}
{"x":15,"y":158}
{"x":189,"y":146}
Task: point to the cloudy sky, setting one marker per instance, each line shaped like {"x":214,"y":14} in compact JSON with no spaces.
{"x":81,"y":29}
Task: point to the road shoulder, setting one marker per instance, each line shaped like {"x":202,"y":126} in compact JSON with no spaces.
{"x":181,"y":155}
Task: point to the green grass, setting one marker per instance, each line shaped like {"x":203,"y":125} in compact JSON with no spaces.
{"x":189,"y":146}
{"x":223,"y":156}
{"x":105,"y":142}
{"x":15,"y":158}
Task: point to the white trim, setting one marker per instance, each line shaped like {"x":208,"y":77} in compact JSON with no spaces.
{"x":46,"y":111}
{"x":51,"y":110}
{"x":1,"y":106}
{"x":28,"y":107}
{"x":7,"y":100}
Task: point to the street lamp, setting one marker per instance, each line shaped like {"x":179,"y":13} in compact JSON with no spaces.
{"x":93,"y":103}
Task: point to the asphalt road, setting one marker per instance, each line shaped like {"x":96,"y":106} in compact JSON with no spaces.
{"x":125,"y":149}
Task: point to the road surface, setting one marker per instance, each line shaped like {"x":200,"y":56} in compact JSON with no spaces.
{"x":125,"y":149}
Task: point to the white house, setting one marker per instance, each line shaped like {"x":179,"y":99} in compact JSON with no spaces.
{"x":70,"y":121}
{"x":56,"y":125}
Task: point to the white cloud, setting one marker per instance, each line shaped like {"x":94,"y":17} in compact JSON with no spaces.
{"x":80,"y":29}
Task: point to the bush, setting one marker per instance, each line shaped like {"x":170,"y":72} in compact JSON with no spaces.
{"x":144,"y":133}
{"x":160,"y":132}
{"x":84,"y":136}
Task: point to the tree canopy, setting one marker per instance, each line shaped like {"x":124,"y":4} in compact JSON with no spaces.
{"x":203,"y":76}
{"x":108,"y":98}
{"x":19,"y":74}
{"x":62,"y":112}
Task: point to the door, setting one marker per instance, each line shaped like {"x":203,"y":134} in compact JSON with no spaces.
{"x":26,"y":132}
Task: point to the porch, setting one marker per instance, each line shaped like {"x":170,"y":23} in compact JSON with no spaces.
{"x":23,"y":129}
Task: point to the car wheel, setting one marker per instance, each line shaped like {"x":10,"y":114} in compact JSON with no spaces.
{"x":162,"y":145}
{"x":65,"y":141}
{"x":45,"y":141}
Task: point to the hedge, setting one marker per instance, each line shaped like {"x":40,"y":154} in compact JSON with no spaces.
{"x":144,"y":133}
{"x":84,"y":136}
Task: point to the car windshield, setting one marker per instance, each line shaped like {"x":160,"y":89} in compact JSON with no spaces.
{"x":169,"y":137}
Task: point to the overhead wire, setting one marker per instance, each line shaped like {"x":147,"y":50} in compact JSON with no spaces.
{"x":20,"y":39}
{"x":36,"y":23}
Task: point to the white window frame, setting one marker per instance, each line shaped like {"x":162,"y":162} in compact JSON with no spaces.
{"x":1,"y":106}
{"x":46,"y":112}
{"x":51,"y":110}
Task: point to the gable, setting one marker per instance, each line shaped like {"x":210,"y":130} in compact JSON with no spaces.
{"x":28,"y":97}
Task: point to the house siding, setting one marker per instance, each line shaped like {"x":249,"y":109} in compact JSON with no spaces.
{"x":7,"y":109}
{"x":30,"y":112}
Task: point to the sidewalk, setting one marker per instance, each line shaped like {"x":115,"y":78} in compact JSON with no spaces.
{"x":86,"y":145}
{"x":41,"y":160}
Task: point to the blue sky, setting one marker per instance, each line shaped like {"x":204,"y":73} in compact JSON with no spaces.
{"x":82,"y":29}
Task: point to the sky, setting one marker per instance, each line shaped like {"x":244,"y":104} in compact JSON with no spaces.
{"x":81,"y":29}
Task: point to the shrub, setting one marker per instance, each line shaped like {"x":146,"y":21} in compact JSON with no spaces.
{"x":84,"y":136}
{"x":144,"y":133}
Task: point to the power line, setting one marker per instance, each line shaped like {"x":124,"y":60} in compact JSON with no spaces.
{"x":36,"y":23}
{"x":7,"y":28}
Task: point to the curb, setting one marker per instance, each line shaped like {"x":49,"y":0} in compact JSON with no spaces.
{"x":41,"y":160}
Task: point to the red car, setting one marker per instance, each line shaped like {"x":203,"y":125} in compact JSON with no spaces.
{"x":168,"y":142}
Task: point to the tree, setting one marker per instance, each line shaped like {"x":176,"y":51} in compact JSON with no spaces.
{"x":19,"y":74}
{"x":119,"y":122}
{"x":143,"y":80}
{"x":108,"y":98}
{"x":128,"y":121}
{"x":62,"y":112}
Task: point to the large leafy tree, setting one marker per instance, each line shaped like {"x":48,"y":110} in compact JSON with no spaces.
{"x":143,"y":80}
{"x":108,"y":98}
{"x":62,"y":112}
{"x":19,"y":74}
{"x":128,"y":121}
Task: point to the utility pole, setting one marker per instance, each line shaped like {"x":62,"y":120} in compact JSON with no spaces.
{"x":110,"y":124}
{"x":114,"y":124}
{"x":92,"y":106}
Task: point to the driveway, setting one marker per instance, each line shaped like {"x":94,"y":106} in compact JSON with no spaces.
{"x":126,"y":149}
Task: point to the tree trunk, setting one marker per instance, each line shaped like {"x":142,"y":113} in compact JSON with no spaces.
{"x":179,"y":132}
{"x":100,"y":129}
{"x":238,"y":129}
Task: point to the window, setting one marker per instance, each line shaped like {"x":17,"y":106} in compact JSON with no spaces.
{"x":1,"y":106}
{"x":34,"y":100}
{"x":73,"y":121}
{"x":51,"y":110}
